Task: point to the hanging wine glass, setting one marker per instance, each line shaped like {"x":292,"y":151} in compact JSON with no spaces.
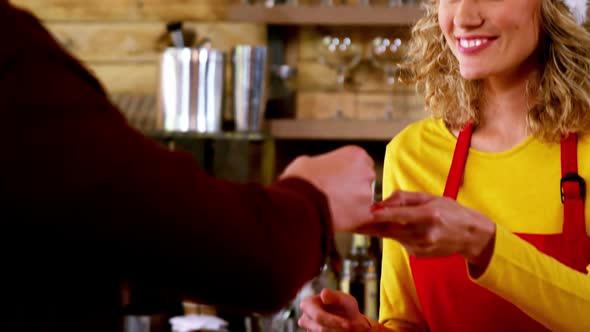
{"x":386,"y":54}
{"x":341,"y":54}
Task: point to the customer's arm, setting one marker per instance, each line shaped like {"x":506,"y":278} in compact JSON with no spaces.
{"x":72,"y":168}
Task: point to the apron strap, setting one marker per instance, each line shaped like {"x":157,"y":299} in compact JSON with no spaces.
{"x":572,"y":186}
{"x":572,"y":189}
{"x":455,"y":177}
{"x":573,"y":194}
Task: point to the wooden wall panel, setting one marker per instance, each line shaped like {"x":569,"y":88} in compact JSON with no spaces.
{"x":82,"y":10}
{"x":127,"y":78}
{"x":313,"y":76}
{"x":326,"y":105}
{"x":144,"y":41}
{"x":204,"y":10}
{"x":384,"y":105}
{"x":121,"y":40}
{"x":123,"y":10}
{"x":110,"y":42}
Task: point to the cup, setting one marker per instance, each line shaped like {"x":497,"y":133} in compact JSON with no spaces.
{"x":249,"y":83}
{"x":191,"y":90}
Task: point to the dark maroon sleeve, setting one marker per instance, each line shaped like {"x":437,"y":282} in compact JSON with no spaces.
{"x":88,"y":185}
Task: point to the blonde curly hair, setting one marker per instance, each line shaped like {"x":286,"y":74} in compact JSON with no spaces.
{"x":560,"y":94}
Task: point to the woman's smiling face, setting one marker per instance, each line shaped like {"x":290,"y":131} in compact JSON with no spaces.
{"x":491,"y":37}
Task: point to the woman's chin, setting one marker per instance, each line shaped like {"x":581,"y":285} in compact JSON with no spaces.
{"x":471,"y":75}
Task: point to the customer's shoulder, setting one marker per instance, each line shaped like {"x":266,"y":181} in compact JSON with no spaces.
{"x":10,"y":31}
{"x":21,"y":33}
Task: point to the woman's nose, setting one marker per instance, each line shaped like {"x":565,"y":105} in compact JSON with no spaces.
{"x":468,"y":14}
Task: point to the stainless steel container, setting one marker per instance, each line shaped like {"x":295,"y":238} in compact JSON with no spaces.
{"x":191,"y":90}
{"x":250,"y":81}
{"x":145,"y":323}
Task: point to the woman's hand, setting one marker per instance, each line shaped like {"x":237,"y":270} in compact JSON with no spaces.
{"x":332,"y":311}
{"x":433,"y":226}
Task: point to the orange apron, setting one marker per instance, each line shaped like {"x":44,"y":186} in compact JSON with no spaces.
{"x":452,"y":302}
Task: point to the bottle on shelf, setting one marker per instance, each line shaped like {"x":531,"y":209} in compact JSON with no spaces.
{"x":359,"y":276}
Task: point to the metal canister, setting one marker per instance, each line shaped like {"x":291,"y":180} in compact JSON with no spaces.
{"x":191,"y":90}
{"x":250,"y":81}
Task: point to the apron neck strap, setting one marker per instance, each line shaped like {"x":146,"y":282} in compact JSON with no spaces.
{"x":572,"y":186}
{"x":455,"y":177}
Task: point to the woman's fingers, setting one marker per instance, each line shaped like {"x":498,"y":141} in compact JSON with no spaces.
{"x":405,"y":214}
{"x":396,"y":231}
{"x":328,"y":316}
{"x":325,"y":315}
{"x":405,"y":198}
{"x":340,"y":303}
{"x":305,"y":322}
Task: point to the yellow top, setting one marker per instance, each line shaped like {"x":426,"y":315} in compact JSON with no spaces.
{"x":418,"y":159}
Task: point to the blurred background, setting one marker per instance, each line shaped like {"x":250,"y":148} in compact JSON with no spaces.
{"x":272,"y":79}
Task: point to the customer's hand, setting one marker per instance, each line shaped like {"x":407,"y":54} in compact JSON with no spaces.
{"x":332,"y":311}
{"x":344,"y":176}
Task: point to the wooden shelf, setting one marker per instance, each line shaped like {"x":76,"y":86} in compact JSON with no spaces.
{"x":365,"y":130}
{"x":318,"y":15}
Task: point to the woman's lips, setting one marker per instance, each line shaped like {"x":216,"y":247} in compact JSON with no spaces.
{"x":473,"y":44}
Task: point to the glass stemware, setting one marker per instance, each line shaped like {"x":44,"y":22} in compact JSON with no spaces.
{"x":386,"y":54}
{"x":341,"y":54}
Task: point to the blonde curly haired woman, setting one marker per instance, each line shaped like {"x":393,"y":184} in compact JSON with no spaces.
{"x":486,"y":210}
